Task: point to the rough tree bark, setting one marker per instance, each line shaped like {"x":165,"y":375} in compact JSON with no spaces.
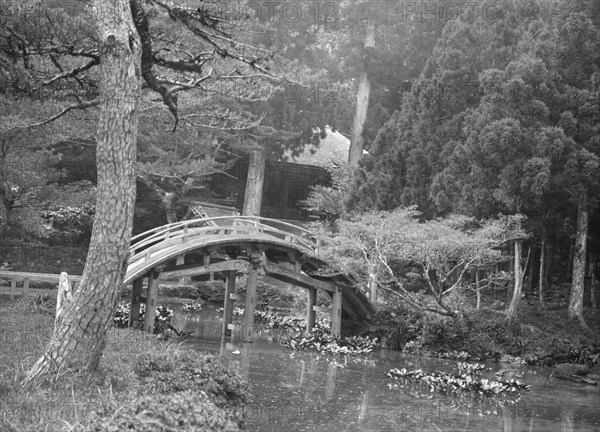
{"x":362,"y":103}
{"x":579,"y":254}
{"x":80,"y":336}
{"x":254,"y":183}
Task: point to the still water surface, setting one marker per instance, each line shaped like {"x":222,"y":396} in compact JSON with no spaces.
{"x":306,"y":391}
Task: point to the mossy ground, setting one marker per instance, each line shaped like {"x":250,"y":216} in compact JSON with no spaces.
{"x":142,"y":384}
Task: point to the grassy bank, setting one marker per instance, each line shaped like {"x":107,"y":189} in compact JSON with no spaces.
{"x":536,"y":337}
{"x":142,"y":384}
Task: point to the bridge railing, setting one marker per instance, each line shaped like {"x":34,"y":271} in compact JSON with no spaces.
{"x":172,"y":234}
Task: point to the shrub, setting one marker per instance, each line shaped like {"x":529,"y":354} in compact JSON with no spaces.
{"x":161,"y":321}
{"x":397,"y":323}
{"x":71,"y":223}
{"x":183,"y":371}
{"x":444,"y":332}
{"x":184,"y":411}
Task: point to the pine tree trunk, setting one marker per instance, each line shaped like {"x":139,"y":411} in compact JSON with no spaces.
{"x":579,"y":254}
{"x":254,"y":184}
{"x":542,"y":274}
{"x":80,"y":335}
{"x":511,"y":313}
{"x":362,"y":103}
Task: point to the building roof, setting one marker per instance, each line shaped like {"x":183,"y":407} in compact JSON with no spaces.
{"x":332,"y":151}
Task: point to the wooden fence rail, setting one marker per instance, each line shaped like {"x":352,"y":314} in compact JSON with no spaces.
{"x":27,"y":278}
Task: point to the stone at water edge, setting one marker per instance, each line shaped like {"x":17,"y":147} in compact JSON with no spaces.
{"x":509,"y":373}
{"x":574,"y":373}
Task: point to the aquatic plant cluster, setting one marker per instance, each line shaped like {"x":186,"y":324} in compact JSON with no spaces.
{"x":275,"y":321}
{"x":195,"y":306}
{"x":465,"y":381}
{"x":319,"y":339}
{"x":285,"y":322}
{"x":161,"y":321}
{"x":322,"y":340}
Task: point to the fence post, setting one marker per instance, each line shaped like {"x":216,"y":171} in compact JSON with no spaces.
{"x":64,"y":296}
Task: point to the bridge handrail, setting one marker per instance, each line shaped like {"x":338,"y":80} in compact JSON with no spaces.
{"x":153,"y":244}
{"x":218,"y":218}
{"x":174,"y":230}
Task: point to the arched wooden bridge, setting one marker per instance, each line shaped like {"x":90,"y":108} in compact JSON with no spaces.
{"x":239,"y":244}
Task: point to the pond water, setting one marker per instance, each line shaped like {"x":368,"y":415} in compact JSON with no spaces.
{"x":307,"y":391}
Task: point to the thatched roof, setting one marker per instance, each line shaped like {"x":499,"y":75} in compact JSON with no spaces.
{"x":332,"y":151}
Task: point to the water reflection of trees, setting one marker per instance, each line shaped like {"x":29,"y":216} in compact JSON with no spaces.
{"x":310,"y":395}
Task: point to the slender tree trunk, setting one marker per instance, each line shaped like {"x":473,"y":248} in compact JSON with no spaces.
{"x":168,"y":202}
{"x":362,"y":103}
{"x":593,"y":284}
{"x":569,"y":272}
{"x":542,"y":274}
{"x":477,"y":288}
{"x":511,"y":270}
{"x":254,"y":184}
{"x":530,"y":281}
{"x":549,"y":276}
{"x":579,"y":255}
{"x":373,"y":285}
{"x":80,"y":335}
{"x":511,"y":313}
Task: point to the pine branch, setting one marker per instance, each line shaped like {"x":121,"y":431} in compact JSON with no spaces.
{"x":70,"y":108}
{"x":187,"y":19}
{"x":67,"y":74}
{"x":140,"y":21}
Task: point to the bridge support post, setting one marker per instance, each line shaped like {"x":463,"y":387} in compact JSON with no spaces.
{"x":248,"y":327}
{"x":151,"y":302}
{"x":136,"y":297}
{"x":229,"y":302}
{"x":336,"y":312}
{"x":310,"y":312}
